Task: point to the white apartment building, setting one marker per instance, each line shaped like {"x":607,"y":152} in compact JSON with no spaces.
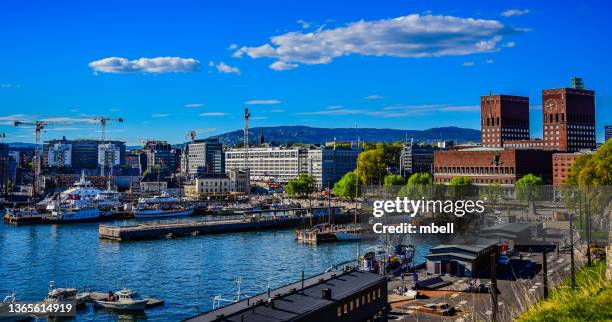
{"x":274,"y":163}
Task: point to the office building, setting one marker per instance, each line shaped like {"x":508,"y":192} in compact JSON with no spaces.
{"x":343,"y":296}
{"x":160,"y":155}
{"x":607,"y":132}
{"x":328,"y":164}
{"x":74,"y":156}
{"x":206,"y":156}
{"x":562,"y":165}
{"x":267,"y":163}
{"x":416,"y":158}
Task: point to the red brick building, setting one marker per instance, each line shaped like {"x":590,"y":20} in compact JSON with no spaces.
{"x":492,"y":165}
{"x":569,"y":119}
{"x":503,"y":118}
{"x":562,"y":165}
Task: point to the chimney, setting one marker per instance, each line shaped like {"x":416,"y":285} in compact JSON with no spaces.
{"x":326,"y":294}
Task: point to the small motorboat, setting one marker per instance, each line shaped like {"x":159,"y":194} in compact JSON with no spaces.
{"x":124,"y":300}
{"x":59,"y":295}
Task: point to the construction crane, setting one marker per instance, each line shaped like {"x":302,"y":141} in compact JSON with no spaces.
{"x":103,"y":121}
{"x":38,"y":127}
{"x":192,"y":135}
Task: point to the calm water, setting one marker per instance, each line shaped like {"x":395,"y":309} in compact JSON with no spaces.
{"x":186,"y":272}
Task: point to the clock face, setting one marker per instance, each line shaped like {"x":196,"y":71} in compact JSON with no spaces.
{"x":550,"y":105}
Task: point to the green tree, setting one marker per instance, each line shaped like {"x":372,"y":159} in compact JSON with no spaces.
{"x":420,"y":178}
{"x":372,"y":167}
{"x":303,"y":186}
{"x":348,"y":186}
{"x":393,"y":183}
{"x":417,"y":186}
{"x":593,"y":169}
{"x":528,"y":188}
{"x":460,"y":187}
{"x":492,"y":192}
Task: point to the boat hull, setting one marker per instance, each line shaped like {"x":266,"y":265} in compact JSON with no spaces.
{"x":133,"y":306}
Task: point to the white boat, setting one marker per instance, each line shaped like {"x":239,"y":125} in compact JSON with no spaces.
{"x":161,"y":206}
{"x":84,"y":193}
{"x":59,"y":295}
{"x":124,"y":300}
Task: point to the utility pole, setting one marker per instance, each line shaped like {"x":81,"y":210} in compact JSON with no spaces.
{"x":545,"y":265}
{"x":247,"y":116}
{"x":572,"y":269}
{"x":494,"y":286}
{"x":588,"y":228}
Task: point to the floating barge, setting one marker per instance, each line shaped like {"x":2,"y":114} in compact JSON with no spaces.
{"x":249,"y":221}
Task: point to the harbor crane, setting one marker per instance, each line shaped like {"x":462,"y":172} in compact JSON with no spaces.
{"x":39,"y":126}
{"x":103,"y":121}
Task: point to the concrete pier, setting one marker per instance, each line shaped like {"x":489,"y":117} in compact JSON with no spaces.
{"x":170,"y":229}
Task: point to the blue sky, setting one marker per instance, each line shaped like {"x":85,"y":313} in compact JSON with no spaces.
{"x":330,"y":63}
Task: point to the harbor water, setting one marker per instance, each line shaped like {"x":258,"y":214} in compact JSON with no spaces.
{"x":185,"y":272}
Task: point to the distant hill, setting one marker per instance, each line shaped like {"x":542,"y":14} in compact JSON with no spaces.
{"x":313,"y":135}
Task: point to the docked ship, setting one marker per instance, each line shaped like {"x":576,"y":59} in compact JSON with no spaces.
{"x":77,"y":213}
{"x":83,"y":193}
{"x":161,"y":206}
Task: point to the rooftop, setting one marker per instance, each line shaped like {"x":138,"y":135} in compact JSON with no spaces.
{"x":472,"y":245}
{"x":289,"y":300}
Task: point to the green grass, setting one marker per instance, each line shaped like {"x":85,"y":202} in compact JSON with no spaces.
{"x":590,"y":301}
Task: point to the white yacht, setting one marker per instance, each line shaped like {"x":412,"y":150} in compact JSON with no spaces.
{"x":161,"y":206}
{"x":83,"y":193}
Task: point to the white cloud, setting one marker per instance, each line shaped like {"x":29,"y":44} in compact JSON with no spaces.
{"x":259,"y":118}
{"x":411,"y":36}
{"x":194,"y":105}
{"x":213,"y":114}
{"x":232,"y":47}
{"x":16,"y":117}
{"x":160,"y":115}
{"x":281,"y":65}
{"x":206,"y":130}
{"x":155,"y":65}
{"x":277,"y":111}
{"x":305,"y":24}
{"x":225,"y":68}
{"x":468,"y":64}
{"x":510,"y":44}
{"x":334,"y":107}
{"x":262,"y":102}
{"x":374,"y":97}
{"x":515,"y":12}
{"x":489,"y":61}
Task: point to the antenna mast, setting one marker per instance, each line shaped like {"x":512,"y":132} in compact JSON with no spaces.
{"x":247,"y":116}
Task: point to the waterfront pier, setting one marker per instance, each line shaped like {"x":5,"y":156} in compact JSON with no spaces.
{"x":249,"y":220}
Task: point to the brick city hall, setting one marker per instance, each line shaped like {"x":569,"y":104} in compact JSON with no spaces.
{"x":507,"y":153}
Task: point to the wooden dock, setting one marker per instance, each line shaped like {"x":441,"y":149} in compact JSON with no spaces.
{"x":170,"y":229}
{"x":23,"y":220}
